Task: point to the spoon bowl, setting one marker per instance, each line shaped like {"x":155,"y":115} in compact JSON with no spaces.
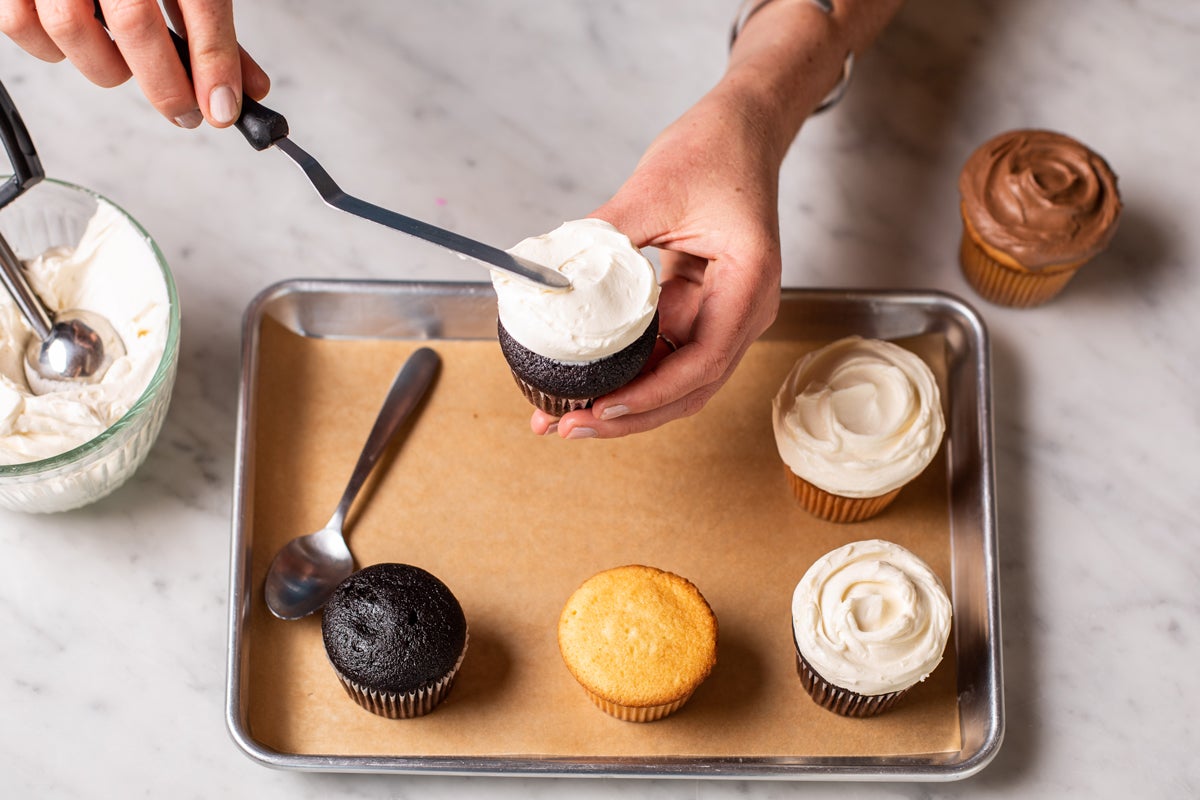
{"x":307,"y":569}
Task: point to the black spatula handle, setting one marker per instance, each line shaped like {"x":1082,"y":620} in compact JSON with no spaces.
{"x":261,"y":126}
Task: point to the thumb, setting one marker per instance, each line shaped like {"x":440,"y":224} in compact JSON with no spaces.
{"x":634,"y":215}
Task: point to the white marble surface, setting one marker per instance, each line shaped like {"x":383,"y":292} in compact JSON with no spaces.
{"x":502,"y":119}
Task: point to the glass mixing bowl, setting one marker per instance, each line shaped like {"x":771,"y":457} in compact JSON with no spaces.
{"x":51,"y":214}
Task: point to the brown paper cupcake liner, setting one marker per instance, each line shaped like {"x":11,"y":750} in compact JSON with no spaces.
{"x":637,"y":713}
{"x":406,"y":705}
{"x":1004,"y":285}
{"x":843,"y":701}
{"x":551,"y":404}
{"x":835,"y":508}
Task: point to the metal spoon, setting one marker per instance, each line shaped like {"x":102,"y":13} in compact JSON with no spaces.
{"x":308,"y":568}
{"x":75,"y":345}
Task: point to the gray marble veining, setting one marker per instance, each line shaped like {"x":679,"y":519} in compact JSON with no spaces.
{"x":501,"y":120}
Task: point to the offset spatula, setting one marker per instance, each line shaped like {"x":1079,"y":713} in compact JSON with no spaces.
{"x":265,"y":128}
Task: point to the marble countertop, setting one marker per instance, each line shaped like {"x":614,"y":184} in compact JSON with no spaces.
{"x":502,"y":119}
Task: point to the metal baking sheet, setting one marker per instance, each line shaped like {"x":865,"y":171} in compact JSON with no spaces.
{"x":443,"y":311}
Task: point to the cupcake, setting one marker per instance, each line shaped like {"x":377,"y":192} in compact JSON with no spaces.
{"x":854,"y":422}
{"x":566,"y":348}
{"x":869,"y":620}
{"x":396,"y":637}
{"x":638,"y":640}
{"x":1036,"y":206}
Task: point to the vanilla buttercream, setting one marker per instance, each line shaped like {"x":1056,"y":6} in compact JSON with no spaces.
{"x":612,"y":299}
{"x":859,"y":417}
{"x":871,"y":617}
{"x":112,"y":271}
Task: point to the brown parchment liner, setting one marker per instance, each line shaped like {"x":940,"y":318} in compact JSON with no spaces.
{"x":513,"y":523}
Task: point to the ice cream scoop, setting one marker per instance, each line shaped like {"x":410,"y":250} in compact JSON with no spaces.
{"x":73,"y":345}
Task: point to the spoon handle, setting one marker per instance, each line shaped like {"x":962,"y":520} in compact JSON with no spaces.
{"x":406,"y":392}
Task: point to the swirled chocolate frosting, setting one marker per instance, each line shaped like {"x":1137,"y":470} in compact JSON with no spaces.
{"x":1040,"y":197}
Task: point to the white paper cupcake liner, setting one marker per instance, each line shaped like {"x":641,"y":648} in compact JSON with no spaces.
{"x":407,"y":705}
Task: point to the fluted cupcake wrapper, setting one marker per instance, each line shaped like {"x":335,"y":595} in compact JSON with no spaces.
{"x":403,"y":705}
{"x":551,"y":404}
{"x":999,"y":283}
{"x":843,"y":701}
{"x":835,"y":508}
{"x":637,"y":713}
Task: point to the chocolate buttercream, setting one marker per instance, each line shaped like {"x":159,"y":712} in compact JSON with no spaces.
{"x":1040,"y":197}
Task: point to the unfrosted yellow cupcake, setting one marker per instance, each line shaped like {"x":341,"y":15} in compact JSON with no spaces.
{"x":1036,"y":206}
{"x":639,"y":641}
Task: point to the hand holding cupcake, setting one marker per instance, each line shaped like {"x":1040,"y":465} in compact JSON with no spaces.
{"x":566,"y":348}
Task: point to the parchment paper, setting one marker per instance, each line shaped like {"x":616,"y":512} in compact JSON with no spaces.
{"x":513,"y":523}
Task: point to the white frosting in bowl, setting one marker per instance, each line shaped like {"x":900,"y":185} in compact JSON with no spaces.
{"x":859,"y":417}
{"x":612,"y":299}
{"x":871,"y":617}
{"x":112,"y":271}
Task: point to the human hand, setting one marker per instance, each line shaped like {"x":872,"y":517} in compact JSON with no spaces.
{"x":706,"y":194}
{"x":140,"y":45}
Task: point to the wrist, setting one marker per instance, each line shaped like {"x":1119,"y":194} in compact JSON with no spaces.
{"x":785,"y":58}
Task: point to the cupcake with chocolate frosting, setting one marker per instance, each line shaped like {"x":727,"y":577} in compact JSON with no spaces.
{"x":566,"y":348}
{"x":1036,"y":206}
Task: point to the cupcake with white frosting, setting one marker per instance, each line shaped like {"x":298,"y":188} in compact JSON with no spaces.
{"x":870,"y":620}
{"x":854,"y":422}
{"x":566,"y":348}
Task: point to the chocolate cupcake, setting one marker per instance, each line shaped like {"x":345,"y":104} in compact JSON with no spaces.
{"x":566,"y":348}
{"x":870,"y":620}
{"x":1036,"y":206}
{"x":854,"y":422}
{"x":396,"y":636}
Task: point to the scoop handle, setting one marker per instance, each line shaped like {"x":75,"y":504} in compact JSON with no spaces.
{"x":261,"y":126}
{"x":26,"y":166}
{"x":12,"y":277}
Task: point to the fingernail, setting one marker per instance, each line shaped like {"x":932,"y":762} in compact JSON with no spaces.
{"x":553,"y":429}
{"x":191,"y":119}
{"x":581,"y":433}
{"x":222,"y":104}
{"x":612,"y":412}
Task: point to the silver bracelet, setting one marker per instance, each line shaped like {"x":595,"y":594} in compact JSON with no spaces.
{"x":749,"y":8}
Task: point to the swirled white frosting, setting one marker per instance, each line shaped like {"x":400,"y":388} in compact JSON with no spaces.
{"x":612,"y":299}
{"x":859,"y":417}
{"x":871,"y":617}
{"x":113,"y":272}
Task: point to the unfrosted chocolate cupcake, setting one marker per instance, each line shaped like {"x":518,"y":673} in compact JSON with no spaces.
{"x":396,"y":637}
{"x":566,"y":348}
